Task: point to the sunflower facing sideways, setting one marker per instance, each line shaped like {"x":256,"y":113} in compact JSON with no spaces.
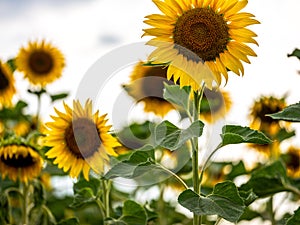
{"x":80,"y":140}
{"x":215,"y":105}
{"x":201,"y":39}
{"x":20,"y":161}
{"x":40,"y":62}
{"x":146,"y":86}
{"x":260,"y":121}
{"x":7,"y":86}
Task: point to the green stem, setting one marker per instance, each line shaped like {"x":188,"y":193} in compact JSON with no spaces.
{"x":292,"y":189}
{"x":195,"y":151}
{"x":38,"y":111}
{"x":161,"y":207}
{"x":174,"y":175}
{"x":270,"y":211}
{"x":25,"y":204}
{"x":106,"y":185}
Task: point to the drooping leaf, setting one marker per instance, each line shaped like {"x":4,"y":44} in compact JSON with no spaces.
{"x":58,"y":96}
{"x":290,"y":113}
{"x":83,"y":196}
{"x":268,"y":180}
{"x":177,"y":95}
{"x":40,"y":215}
{"x":169,"y":136}
{"x":295,"y":219}
{"x":93,"y":184}
{"x":224,"y":201}
{"x":126,"y":168}
{"x":295,"y":53}
{"x":233,"y":134}
{"x":39,"y":194}
{"x":133,"y":214}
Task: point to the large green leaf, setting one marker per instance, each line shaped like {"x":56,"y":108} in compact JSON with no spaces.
{"x":133,"y":214}
{"x":224,"y":201}
{"x":233,"y":134}
{"x":295,"y":53}
{"x":82,"y":197}
{"x":177,"y":95}
{"x":93,"y":184}
{"x":127,"y":168}
{"x":290,"y":113}
{"x":295,"y":219}
{"x":169,"y":136}
{"x":268,"y":180}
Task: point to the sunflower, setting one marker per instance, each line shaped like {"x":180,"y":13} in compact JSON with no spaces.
{"x":40,"y":62}
{"x":214,"y":105}
{"x":270,"y":127}
{"x":7,"y":88}
{"x":21,"y":162}
{"x":263,"y":106}
{"x":292,"y":161}
{"x":201,"y":39}
{"x":80,"y":140}
{"x":147,"y":85}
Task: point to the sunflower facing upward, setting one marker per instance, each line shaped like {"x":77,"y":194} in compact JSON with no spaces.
{"x":7,"y":86}
{"x":146,"y":86}
{"x":199,"y":36}
{"x":40,"y":62}
{"x":80,"y":140}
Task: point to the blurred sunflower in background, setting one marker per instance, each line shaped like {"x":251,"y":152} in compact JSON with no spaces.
{"x":215,"y":105}
{"x":146,"y":86}
{"x":197,"y":37}
{"x":7,"y":85}
{"x":80,"y":140}
{"x":40,"y":62}
{"x":20,"y":161}
{"x":260,"y":121}
{"x":292,"y":161}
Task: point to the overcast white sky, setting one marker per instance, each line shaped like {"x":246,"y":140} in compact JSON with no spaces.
{"x":85,"y":30}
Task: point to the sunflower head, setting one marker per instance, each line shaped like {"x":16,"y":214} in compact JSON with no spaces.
{"x":292,"y":161}
{"x":7,"y":85}
{"x":147,"y":85}
{"x":80,"y":140}
{"x":258,"y":114}
{"x":20,"y":161}
{"x":215,"y":104}
{"x":40,"y":62}
{"x":201,"y":39}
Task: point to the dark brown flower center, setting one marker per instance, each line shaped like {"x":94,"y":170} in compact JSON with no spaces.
{"x":153,"y":82}
{"x":293,"y":161}
{"x":40,"y":62}
{"x":201,"y":34}
{"x":82,"y":138}
{"x":212,"y":101}
{"x":268,"y":107}
{"x":18,"y":161}
{"x":4,"y":82}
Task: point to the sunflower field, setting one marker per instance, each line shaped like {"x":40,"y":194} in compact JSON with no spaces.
{"x":165,"y":154}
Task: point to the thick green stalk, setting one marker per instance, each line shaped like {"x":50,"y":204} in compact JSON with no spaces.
{"x":270,"y":210}
{"x":106,"y":185}
{"x":25,"y":204}
{"x":195,"y":151}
